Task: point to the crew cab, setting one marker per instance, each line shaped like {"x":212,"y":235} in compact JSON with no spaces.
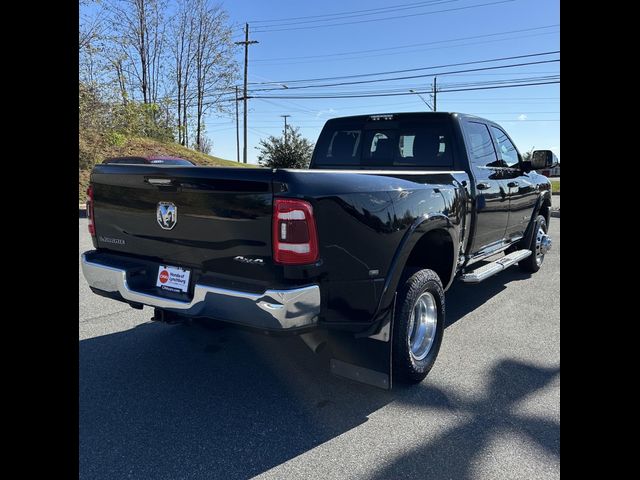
{"x":364,"y":243}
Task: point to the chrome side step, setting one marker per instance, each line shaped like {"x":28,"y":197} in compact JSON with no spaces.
{"x":490,"y":269}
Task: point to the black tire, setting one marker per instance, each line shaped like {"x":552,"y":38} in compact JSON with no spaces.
{"x":531,"y":264}
{"x":406,"y":368}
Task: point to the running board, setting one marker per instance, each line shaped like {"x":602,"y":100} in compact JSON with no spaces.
{"x":490,"y":269}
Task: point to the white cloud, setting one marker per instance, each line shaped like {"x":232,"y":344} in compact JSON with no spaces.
{"x":325,"y":112}
{"x":522,"y":117}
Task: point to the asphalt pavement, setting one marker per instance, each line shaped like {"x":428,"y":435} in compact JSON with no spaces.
{"x":186,"y":402}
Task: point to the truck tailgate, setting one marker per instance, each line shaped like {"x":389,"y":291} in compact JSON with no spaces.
{"x":197,"y":217}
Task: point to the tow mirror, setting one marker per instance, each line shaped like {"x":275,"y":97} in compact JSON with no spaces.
{"x":543,"y":159}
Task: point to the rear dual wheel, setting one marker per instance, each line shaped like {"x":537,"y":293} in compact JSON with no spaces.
{"x":418,"y":326}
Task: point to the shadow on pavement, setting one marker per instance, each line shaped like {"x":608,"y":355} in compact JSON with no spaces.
{"x":162,"y":401}
{"x":455,"y":453}
{"x":463,"y":298}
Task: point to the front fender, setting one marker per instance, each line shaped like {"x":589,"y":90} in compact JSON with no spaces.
{"x":544,"y":196}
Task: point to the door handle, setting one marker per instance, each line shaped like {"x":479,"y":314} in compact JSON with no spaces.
{"x":512,"y":184}
{"x":483,"y":186}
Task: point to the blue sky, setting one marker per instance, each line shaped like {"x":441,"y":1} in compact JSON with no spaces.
{"x":471,"y":30}
{"x":529,"y":114}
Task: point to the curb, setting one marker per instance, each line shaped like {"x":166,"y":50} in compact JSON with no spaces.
{"x":555,"y":193}
{"x":555,"y":213}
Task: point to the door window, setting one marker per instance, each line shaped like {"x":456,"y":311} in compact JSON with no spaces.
{"x":507,"y":149}
{"x":481,"y":151}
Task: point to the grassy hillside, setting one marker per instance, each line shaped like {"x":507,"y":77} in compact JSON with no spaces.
{"x":98,"y":148}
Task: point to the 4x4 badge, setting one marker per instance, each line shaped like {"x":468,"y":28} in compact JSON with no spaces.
{"x":167,"y":215}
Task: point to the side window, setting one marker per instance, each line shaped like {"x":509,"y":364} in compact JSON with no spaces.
{"x":507,"y":149}
{"x":481,"y":151}
{"x":424,"y":145}
{"x":379,"y":147}
{"x":406,"y":146}
{"x":344,"y":144}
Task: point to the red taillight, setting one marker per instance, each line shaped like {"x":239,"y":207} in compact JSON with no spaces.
{"x":92,"y":228}
{"x":295,"y":239}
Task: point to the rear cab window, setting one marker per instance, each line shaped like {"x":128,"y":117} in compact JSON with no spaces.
{"x":409,"y":143}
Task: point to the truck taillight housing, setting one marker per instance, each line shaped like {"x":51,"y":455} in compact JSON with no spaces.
{"x":92,"y":228}
{"x":295,"y":238}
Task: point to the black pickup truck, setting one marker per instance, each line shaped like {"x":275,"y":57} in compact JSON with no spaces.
{"x":358,"y":248}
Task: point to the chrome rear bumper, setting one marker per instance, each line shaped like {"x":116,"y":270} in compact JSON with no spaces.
{"x":273,"y":309}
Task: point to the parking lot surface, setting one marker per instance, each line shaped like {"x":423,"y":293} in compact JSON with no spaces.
{"x":186,"y":402}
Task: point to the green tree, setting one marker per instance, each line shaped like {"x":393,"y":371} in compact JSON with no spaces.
{"x":289,"y":151}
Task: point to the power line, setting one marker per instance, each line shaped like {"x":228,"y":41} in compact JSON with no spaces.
{"x":386,"y":93}
{"x":342,"y":14}
{"x":342,"y":17}
{"x":511,"y":100}
{"x":414,"y":51}
{"x":361,"y":82}
{"x":401,"y":94}
{"x":356,"y":52}
{"x":259,"y":132}
{"x":323,"y":121}
{"x":316,"y":120}
{"x":499,"y":86}
{"x":230,"y":90}
{"x":306,"y":27}
{"x":342,"y":77}
{"x":314,"y":127}
{"x":403,"y":88}
{"x":293,"y":106}
{"x":500,"y":81}
{"x":497,"y":73}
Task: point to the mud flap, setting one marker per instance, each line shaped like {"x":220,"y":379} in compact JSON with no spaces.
{"x":365,"y":359}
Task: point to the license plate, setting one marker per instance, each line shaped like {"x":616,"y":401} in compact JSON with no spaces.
{"x":174,"y":279}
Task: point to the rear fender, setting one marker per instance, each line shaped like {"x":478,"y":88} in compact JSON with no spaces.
{"x":418,"y":229}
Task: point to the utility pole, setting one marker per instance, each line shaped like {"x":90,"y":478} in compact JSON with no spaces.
{"x":285,"y":127}
{"x":246,"y":44}
{"x":435,"y":91}
{"x":237,"y":128}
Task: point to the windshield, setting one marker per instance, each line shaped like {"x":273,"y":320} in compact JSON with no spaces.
{"x":409,"y":143}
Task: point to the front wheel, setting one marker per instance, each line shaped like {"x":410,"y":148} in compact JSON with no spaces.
{"x":418,"y":326}
{"x":539,"y":246}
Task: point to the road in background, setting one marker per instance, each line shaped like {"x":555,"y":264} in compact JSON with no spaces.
{"x":168,"y":402}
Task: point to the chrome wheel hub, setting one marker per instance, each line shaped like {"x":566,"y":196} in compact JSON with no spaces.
{"x":543,"y":244}
{"x":422,"y":326}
